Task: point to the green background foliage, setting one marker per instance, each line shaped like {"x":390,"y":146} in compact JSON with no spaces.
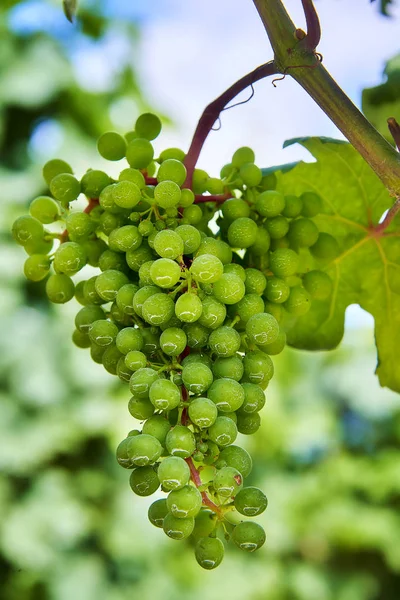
{"x":327,"y":453}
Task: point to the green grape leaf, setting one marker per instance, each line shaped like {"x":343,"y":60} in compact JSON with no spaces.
{"x":383,"y":101}
{"x":367,"y":270}
{"x":70,"y":8}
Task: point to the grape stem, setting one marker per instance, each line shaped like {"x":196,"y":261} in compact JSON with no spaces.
{"x":213,"y":110}
{"x":219,"y":198}
{"x":195,"y":477}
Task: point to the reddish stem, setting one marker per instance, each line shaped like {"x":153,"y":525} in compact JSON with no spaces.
{"x":393,"y":211}
{"x":218,"y":198}
{"x":93,"y":202}
{"x":195,"y":477}
{"x":394,"y":129}
{"x":150,"y":180}
{"x":313,"y":36}
{"x":213,"y":110}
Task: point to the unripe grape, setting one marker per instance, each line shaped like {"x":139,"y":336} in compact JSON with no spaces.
{"x":248,"y":536}
{"x":185,"y":502}
{"x":157,"y":426}
{"x":55,"y":167}
{"x":209,"y":552}
{"x":227,"y":482}
{"x":111,"y":146}
{"x":148,"y":126}
{"x":173,"y":473}
{"x":178,"y":529}
{"x":164,"y":395}
{"x":318,"y":284}
{"x":144,"y":481}
{"x":180,"y":441}
{"x":157,"y":512}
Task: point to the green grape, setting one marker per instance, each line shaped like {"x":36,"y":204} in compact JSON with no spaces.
{"x":209,"y":552}
{"x":126,"y":194}
{"x":151,"y":341}
{"x":133,"y":175}
{"x":180,"y":441}
{"x":227,"y":482}
{"x":299,"y":301}
{"x":109,"y":282}
{"x":175,"y":153}
{"x":249,"y":305}
{"x":158,"y":309}
{"x":143,"y":450}
{"x":235,"y":208}
{"x":93,"y":182}
{"x":124,"y":298}
{"x":242,"y":156}
{"x":135,"y":360}
{"x":168,"y":244}
{"x":103,"y":333}
{"x":141,"y":382}
{"x":139,"y":153}
{"x":270,"y":203}
{"x":192,"y":214}
{"x":81,"y":340}
{"x":248,"y":536}
{"x":254,"y":398}
{"x":167,"y":194}
{"x":275,"y":347}
{"x":213,"y":313}
{"x":94,"y":248}
{"x":123,"y":457}
{"x":173,"y":341}
{"x":318,"y":284}
{"x":284,"y":262}
{"x":274,"y":309}
{"x":223,"y":432}
{"x":207,"y":268}
{"x":325,"y":248}
{"x":258,"y":367}
{"x":212,"y":453}
{"x":277,"y":227}
{"x":303,"y":233}
{"x":202,"y":412}
{"x":44,"y":209}
{"x":111,"y":146}
{"x":197,"y":335}
{"x":157,"y":425}
{"x":144,"y":274}
{"x":60,"y":288}
{"x":229,"y":288}
{"x":165,"y":272}
{"x":239,"y":458}
{"x":185,"y":502}
{"x":39,"y":246}
{"x":69,"y":258}
{"x":236,"y":269}
{"x":65,"y":188}
{"x":277,"y":290}
{"x":215,"y":186}
{"x":187,"y":198}
{"x":217,"y":248}
{"x":55,"y":167}
{"x":199,"y":181}
{"x":228,"y":367}
{"x":148,"y":126}
{"x":251,"y":502}
{"x":261,"y":243}
{"x":176,"y":528}
{"x":197,"y":377}
{"x":248,"y":423}
{"x":204,"y":524}
{"x":141,"y":296}
{"x":157,"y":512}
{"x":173,"y":473}
{"x":227,"y":394}
{"x":312,"y":204}
{"x":96,"y":353}
{"x":251,"y":174}
{"x":136,"y":258}
{"x":140,"y":408}
{"x":293,"y":206}
{"x":188,"y":307}
{"x":197,"y":357}
{"x":242,"y":233}
{"x":87,"y":315}
{"x":255,"y":282}
{"x":146,"y":228}
{"x":36,"y":267}
{"x":144,"y":481}
{"x":27,"y":230}
{"x":224,"y":341}
{"x":164,"y":395}
{"x":79,"y":226}
{"x":172,"y":170}
{"x":111,"y":358}
{"x":123,"y":372}
{"x":190,"y":237}
{"x":262,"y":328}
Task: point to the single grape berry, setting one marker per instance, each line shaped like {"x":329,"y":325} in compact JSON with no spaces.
{"x":248,"y":536}
{"x":251,"y":502}
{"x":209,"y":552}
{"x":111,"y":146}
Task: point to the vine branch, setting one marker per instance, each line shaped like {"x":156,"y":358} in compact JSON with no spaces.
{"x":213,"y":110}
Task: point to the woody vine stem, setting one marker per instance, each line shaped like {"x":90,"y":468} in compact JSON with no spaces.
{"x":295,"y":55}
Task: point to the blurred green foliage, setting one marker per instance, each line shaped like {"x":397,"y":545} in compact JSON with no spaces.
{"x":327,"y":454}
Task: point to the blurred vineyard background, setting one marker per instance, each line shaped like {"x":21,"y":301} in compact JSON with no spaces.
{"x":327,"y":454}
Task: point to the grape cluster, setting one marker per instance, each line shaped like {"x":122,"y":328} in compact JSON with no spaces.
{"x":187,"y":318}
